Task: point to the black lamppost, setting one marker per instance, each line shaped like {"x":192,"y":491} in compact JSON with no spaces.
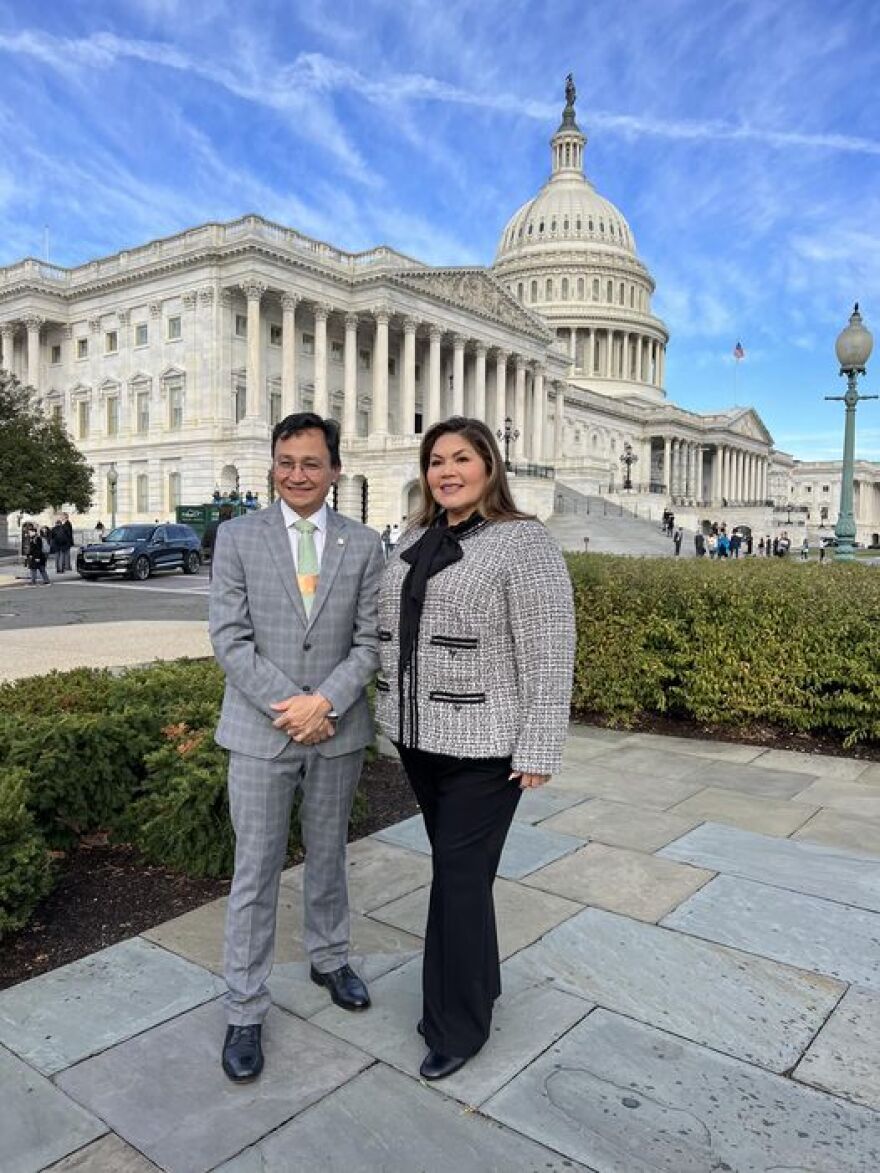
{"x":628,"y":459}
{"x":509,"y":433}
{"x":854,"y":345}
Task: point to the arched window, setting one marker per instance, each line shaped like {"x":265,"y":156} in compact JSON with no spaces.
{"x":552,"y":225}
{"x":565,"y":224}
{"x":541,"y":228}
{"x":530,"y":228}
{"x":590,"y":225}
{"x":565,"y":289}
{"x":602,"y":226}
{"x":577,"y":224}
{"x":611,"y":229}
{"x":621,"y":295}
{"x":534,"y":291}
{"x":595,"y":289}
{"x":548,"y":289}
{"x":632,"y":296}
{"x":519,"y":291}
{"x":567,"y":154}
{"x":580,"y":292}
{"x":610,"y":291}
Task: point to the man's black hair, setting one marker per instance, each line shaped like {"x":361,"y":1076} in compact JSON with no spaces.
{"x":303,"y":421}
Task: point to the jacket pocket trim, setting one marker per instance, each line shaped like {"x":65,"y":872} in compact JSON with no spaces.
{"x":385,"y":637}
{"x":454,"y":641}
{"x":382,"y":685}
{"x":458,"y":698}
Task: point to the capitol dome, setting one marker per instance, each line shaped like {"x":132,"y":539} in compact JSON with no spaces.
{"x":570,"y":256}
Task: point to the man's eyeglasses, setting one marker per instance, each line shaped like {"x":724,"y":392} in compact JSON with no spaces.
{"x":285,"y":465}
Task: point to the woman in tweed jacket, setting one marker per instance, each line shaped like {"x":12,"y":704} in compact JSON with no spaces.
{"x":476,"y":632}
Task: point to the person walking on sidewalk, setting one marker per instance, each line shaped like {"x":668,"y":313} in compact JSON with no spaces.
{"x":293,"y":624}
{"x":476,"y":640}
{"x":38,"y":552}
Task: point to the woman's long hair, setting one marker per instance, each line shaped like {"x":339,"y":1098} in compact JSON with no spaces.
{"x":497,"y":503}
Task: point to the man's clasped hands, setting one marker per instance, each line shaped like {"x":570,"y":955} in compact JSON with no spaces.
{"x":304,"y":718}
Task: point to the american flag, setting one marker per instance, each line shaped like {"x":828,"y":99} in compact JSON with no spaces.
{"x":738,"y":353}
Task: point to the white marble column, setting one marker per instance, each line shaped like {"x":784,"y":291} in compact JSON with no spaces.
{"x":500,"y":388}
{"x":661,"y":364}
{"x":379,"y":414}
{"x":609,"y":347}
{"x":322,"y":396}
{"x":667,"y":464}
{"x":700,"y":496}
{"x":480,"y":381}
{"x":539,"y":413}
{"x":289,"y":397}
{"x":572,"y":347}
{"x":253,"y":291}
{"x":408,"y":398}
{"x":349,"y":377}
{"x":33,"y":325}
{"x":457,"y":405}
{"x":7,"y":342}
{"x":520,"y":422}
{"x":590,"y":359}
{"x":433,"y":412}
{"x":559,"y":425}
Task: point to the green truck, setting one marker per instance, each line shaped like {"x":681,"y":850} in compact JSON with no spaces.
{"x":198,"y":516}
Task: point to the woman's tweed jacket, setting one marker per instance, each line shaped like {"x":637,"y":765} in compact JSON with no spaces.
{"x":495,"y":650}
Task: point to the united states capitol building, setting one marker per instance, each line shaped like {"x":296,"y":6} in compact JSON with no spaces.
{"x":171,"y":361}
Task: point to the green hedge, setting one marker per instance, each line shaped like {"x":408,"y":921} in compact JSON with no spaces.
{"x":132,"y":753}
{"x":743,"y":643}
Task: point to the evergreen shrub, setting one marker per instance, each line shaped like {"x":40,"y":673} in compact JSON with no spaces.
{"x":25,"y":863}
{"x":742,"y":643}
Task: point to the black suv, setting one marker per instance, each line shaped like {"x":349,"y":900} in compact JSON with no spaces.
{"x":138,"y":550}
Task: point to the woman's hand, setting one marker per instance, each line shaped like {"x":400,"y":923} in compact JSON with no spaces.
{"x":528,"y":781}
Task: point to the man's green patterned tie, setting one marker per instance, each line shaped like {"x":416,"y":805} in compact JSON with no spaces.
{"x":307,"y":568}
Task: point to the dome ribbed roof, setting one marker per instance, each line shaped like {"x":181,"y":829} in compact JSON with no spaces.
{"x":566,"y":210}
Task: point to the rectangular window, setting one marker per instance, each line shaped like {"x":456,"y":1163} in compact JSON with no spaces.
{"x":240,"y":402}
{"x":241,"y":325}
{"x":337,"y":351}
{"x":274,"y":408}
{"x":308,"y":343}
{"x":392,"y":366}
{"x":56,"y":354}
{"x":141,"y":334}
{"x":142,"y":493}
{"x":173,"y":490}
{"x":175,"y":407}
{"x":113,"y":415}
{"x":82,"y":348}
{"x":365,"y":359}
{"x":173,"y":329}
{"x":111,"y":342}
{"x":275,"y":334}
{"x":826,"y":488}
{"x":57,"y":413}
{"x":82,"y":419}
{"x":143,"y":413}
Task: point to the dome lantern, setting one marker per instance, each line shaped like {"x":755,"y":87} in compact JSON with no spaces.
{"x":567,"y":145}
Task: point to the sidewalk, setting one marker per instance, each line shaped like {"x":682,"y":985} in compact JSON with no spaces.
{"x":691,"y":943}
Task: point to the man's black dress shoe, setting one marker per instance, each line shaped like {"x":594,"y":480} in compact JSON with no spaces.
{"x":346,"y":988}
{"x":420,"y":1027}
{"x":437,"y":1066}
{"x":242,"y":1053}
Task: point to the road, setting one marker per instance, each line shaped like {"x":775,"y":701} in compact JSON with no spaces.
{"x":70,"y":600}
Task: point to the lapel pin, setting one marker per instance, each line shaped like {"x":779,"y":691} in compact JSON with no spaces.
{"x":340,"y":541}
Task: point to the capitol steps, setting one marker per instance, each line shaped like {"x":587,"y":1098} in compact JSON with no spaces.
{"x":609,"y":527}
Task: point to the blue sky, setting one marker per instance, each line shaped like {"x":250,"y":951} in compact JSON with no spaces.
{"x":739,"y":138}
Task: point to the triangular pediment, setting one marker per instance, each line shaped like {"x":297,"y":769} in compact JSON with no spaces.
{"x":473,"y":290}
{"x":748,"y":423}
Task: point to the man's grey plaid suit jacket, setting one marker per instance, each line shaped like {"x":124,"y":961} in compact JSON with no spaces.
{"x":267,"y":647}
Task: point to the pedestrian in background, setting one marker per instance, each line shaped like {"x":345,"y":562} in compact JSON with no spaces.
{"x":676,"y":540}
{"x":38,"y":551}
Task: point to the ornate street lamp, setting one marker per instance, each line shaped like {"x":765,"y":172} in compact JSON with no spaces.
{"x":509,"y":433}
{"x":628,"y":459}
{"x":853,"y":346}
{"x":112,"y":482}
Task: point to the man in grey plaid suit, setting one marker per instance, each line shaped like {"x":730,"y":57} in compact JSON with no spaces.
{"x":294,"y":627}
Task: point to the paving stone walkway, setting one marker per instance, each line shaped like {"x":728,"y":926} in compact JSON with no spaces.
{"x":691,"y":943}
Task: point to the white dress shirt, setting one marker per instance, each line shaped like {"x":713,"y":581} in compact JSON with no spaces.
{"x":318,"y":520}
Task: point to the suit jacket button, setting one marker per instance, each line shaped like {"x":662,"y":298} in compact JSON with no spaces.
{"x":307,"y":688}
{"x":307,"y":647}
